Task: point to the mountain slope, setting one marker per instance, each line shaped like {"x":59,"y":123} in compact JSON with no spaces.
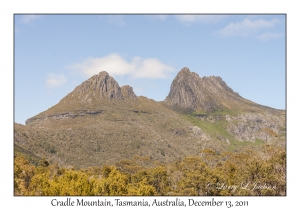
{"x":100,"y":122}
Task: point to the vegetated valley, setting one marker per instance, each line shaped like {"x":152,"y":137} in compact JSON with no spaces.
{"x":203,"y":139}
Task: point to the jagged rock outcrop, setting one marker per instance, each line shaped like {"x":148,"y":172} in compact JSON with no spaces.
{"x":98,"y":87}
{"x":208,"y":94}
{"x":128,"y":93}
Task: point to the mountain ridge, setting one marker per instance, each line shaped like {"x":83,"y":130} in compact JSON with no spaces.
{"x":100,"y":122}
{"x":190,"y":91}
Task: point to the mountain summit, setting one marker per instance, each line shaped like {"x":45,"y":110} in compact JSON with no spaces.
{"x":208,"y":94}
{"x":99,"y":87}
{"x":88,"y":98}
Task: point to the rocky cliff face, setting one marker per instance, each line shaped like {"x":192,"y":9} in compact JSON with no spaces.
{"x":207,"y":94}
{"x":128,"y":93}
{"x":97,"y":88}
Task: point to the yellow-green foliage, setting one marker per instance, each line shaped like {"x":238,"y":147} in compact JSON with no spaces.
{"x":246,"y":173}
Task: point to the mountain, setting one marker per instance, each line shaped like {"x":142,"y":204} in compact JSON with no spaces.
{"x":100,"y":122}
{"x":204,"y":98}
{"x":207,"y":94}
{"x":88,"y":99}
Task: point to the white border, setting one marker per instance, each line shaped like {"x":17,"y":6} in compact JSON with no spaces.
{"x":8,"y":8}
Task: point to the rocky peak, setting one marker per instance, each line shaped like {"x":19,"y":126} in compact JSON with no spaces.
{"x":188,"y":90}
{"x":98,"y":87}
{"x":127,"y":92}
{"x":85,"y":99}
{"x":183,"y":88}
{"x":185,"y":72}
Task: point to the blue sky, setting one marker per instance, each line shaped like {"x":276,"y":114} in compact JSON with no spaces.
{"x":55,"y":53}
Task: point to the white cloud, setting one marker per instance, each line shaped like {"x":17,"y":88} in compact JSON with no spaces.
{"x":29,"y":18}
{"x":247,"y":27}
{"x":55,"y":80}
{"x":116,"y":19}
{"x":115,"y":65}
{"x":190,"y":19}
{"x":269,"y":36}
{"x":151,"y":68}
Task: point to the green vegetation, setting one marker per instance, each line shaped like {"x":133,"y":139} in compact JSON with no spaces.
{"x":226,"y":112}
{"x":212,"y":128}
{"x":246,"y":173}
{"x":216,"y":129}
{"x":234,"y":144}
{"x":215,"y":125}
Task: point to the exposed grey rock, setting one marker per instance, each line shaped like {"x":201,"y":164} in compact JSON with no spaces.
{"x":251,"y":126}
{"x":95,"y":90}
{"x":98,"y":87}
{"x":128,"y":93}
{"x":188,"y":90}
{"x":198,"y":133}
{"x":64,"y":115}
